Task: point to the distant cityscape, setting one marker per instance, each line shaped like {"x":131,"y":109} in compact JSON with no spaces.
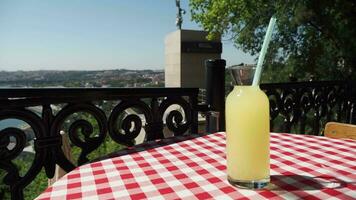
{"x":100,"y":78}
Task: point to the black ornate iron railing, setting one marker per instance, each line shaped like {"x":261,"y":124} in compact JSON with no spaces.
{"x":176,"y":107}
{"x":304,"y":107}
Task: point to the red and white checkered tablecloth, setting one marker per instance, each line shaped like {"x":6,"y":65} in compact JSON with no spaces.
{"x":302,"y":167}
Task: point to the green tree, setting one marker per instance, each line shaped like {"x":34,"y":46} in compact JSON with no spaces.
{"x":311,"y":38}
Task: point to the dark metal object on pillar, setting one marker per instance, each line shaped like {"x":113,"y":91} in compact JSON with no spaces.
{"x":215,"y":88}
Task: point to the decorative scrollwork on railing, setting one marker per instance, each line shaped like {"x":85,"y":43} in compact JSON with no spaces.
{"x":305,"y":101}
{"x":274,"y":100}
{"x":8,"y":134}
{"x":131,"y":123}
{"x":288,"y":110}
{"x":12,"y":178}
{"x":175,"y":120}
{"x":332,"y":101}
{"x":305,"y":105}
{"x":295,"y":103}
{"x":7,"y":155}
{"x":91,"y":140}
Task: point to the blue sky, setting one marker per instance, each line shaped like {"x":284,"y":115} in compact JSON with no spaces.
{"x":91,"y":34}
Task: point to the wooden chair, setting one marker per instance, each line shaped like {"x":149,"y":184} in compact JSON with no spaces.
{"x":340,"y":130}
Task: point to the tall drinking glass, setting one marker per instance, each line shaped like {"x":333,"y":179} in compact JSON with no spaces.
{"x":247,"y":132}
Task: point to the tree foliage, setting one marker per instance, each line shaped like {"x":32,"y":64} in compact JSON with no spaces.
{"x":311,"y":38}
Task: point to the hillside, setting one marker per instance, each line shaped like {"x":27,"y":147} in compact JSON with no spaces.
{"x":100,"y":78}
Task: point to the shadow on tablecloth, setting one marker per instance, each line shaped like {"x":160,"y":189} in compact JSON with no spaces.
{"x":298,"y":182}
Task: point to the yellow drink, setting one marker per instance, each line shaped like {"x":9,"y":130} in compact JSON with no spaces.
{"x":247,"y":137}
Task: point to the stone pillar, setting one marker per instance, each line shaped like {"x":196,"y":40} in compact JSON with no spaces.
{"x":185,"y":54}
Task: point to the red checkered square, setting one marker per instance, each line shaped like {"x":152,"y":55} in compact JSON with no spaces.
{"x":166,"y":190}
{"x":138,"y":196}
{"x":77,"y":195}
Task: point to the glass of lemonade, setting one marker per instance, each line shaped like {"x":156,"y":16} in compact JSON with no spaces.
{"x":247,"y":131}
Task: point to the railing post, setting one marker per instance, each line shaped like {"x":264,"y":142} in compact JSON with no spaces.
{"x":215,"y":88}
{"x":66,"y":148}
